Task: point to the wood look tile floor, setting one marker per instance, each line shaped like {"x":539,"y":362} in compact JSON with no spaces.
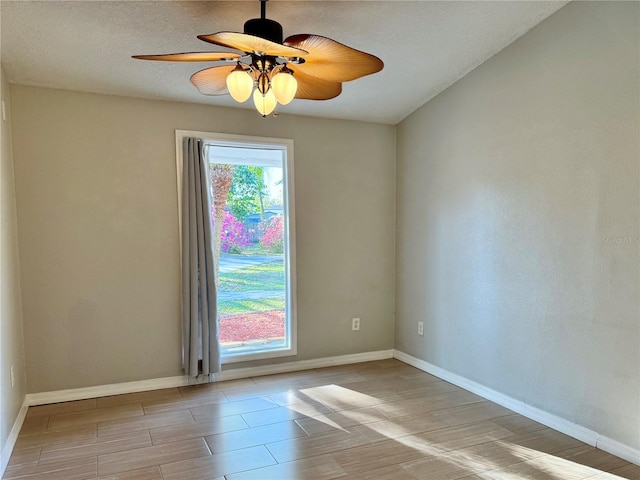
{"x":375,"y":420}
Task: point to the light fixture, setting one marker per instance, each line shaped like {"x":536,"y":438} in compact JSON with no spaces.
{"x":284,"y":86}
{"x":305,"y":66}
{"x":274,"y":83}
{"x":265,"y":103}
{"x":239,"y":84}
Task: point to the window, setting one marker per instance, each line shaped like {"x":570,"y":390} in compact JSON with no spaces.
{"x":251,"y":183}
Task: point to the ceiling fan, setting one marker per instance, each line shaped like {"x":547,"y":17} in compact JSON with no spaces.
{"x":303,"y":66}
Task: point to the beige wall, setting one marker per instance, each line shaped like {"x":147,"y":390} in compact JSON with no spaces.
{"x":518,"y":221}
{"x":96,"y":190}
{"x":11,"y":340}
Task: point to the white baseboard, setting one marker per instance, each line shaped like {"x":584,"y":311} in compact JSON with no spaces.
{"x":44,"y":398}
{"x":618,"y":449}
{"x":553,"y":421}
{"x":13,"y":436}
{"x":73,"y":394}
{"x":295,"y":366}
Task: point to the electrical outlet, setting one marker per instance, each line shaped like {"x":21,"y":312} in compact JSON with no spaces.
{"x":355,"y":324}
{"x":420,"y":328}
{"x":13,"y":378}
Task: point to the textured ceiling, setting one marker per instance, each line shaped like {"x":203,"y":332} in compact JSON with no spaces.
{"x":426,"y":46}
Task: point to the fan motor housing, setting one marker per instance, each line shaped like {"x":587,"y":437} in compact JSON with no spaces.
{"x":264,"y":28}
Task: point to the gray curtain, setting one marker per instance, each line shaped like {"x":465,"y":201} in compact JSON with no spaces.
{"x":199,"y":307}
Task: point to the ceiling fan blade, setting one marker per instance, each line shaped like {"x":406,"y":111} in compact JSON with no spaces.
{"x":252,"y":44}
{"x":191,"y":57}
{"x":314,"y":88}
{"x":332,"y":60}
{"x":213,"y":80}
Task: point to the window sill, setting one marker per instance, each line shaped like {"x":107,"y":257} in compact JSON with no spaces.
{"x":248,"y":354}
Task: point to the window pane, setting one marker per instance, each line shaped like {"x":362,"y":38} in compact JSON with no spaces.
{"x":248,"y":215}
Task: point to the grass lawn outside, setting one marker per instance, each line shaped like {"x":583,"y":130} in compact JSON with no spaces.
{"x":258,"y":249}
{"x":262,"y":277}
{"x":235,"y":307}
{"x":265,"y":276}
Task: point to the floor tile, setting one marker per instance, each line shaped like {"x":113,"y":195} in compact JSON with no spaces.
{"x":317,"y":468}
{"x":419,"y":391}
{"x":518,"y":424}
{"x":78,"y":469}
{"x":491,"y":455}
{"x":430,"y":403}
{"x":209,"y":412}
{"x":342,"y":420}
{"x":151,"y":395}
{"x":630,"y":471}
{"x":144,"y":422}
{"x":59,"y":408}
{"x":440,"y":467}
{"x":288,"y":450}
{"x":254,"y":391}
{"x":217,"y":386}
{"x":471,"y":413}
{"x":198,"y":429}
{"x":391,"y":472}
{"x":340,"y":398}
{"x":169,"y":404}
{"x":545,"y":467}
{"x":150,"y":473}
{"x":282,"y":414}
{"x":289,"y":397}
{"x":217,"y":465}
{"x":79,"y":433}
{"x":286,"y":378}
{"x":252,"y":437}
{"x":545,"y":441}
{"x":34,"y":425}
{"x":593,"y":457}
{"x":151,"y":456}
{"x":94,"y":447}
{"x":25,"y":455}
{"x":375,"y":456}
{"x":400,"y":427}
{"x":454,"y":438}
{"x":69,"y":420}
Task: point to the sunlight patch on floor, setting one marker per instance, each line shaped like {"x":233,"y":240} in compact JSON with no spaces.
{"x":335,"y":396}
{"x":512,"y":461}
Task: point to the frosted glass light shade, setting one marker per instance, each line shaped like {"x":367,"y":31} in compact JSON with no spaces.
{"x":284,"y":86}
{"x":265,"y":104}
{"x":240,"y":85}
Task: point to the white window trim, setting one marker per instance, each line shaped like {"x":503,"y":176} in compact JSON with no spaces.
{"x":289,"y":205}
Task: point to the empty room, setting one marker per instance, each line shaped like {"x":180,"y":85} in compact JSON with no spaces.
{"x":302,"y":240}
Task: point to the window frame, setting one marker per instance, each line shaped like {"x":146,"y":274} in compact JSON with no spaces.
{"x":286,"y":145}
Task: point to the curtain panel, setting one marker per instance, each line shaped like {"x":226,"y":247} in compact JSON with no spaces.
{"x":200,"y":344}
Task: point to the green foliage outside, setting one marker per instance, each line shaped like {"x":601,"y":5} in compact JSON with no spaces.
{"x":247,"y":192}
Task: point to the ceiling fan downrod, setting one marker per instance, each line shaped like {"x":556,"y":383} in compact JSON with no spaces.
{"x":263,"y":27}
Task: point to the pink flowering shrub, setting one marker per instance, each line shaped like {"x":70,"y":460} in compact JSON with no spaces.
{"x":234,"y":236}
{"x":274,"y":234}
